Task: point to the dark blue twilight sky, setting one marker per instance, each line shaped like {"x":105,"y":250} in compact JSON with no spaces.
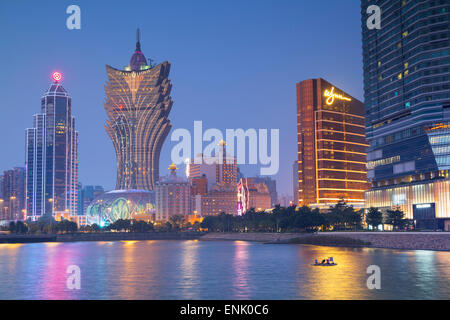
{"x":234,"y":65}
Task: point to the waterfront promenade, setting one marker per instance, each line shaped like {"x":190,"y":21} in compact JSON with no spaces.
{"x":391,"y":240}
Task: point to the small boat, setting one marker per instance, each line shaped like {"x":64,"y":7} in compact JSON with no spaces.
{"x":328,"y":263}
{"x":324,"y":264}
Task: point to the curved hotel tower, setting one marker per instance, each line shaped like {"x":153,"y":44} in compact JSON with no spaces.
{"x":138,"y":103}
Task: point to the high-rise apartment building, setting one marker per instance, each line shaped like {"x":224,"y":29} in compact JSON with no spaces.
{"x":407,"y":108}
{"x":51,"y":159}
{"x":331,"y":145}
{"x":12,"y":195}
{"x":137,"y":104}
{"x":219,"y":169}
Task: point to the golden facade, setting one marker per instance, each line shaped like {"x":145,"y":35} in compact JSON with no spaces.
{"x":137,"y":104}
{"x":331,"y":145}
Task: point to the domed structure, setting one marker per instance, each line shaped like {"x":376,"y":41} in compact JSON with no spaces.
{"x":121,"y":204}
{"x":138,"y":59}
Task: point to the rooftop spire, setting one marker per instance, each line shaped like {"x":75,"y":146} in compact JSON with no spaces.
{"x":138,"y":40}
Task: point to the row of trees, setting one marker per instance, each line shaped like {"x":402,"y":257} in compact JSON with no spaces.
{"x":394,"y":217}
{"x":45,"y":225}
{"x":292,"y":219}
{"x":281,"y":219}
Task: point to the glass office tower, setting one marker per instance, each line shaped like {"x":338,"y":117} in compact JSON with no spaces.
{"x":407,"y":106}
{"x":137,"y":104}
{"x":51,"y":160}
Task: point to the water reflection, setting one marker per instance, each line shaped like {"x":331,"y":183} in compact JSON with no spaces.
{"x":347,"y":280}
{"x":240,"y":270}
{"x":189,"y":269}
{"x":217,"y":270}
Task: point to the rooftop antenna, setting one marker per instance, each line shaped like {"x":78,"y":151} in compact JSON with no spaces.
{"x":138,"y":40}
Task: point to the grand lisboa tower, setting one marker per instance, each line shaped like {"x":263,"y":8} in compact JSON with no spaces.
{"x":137,"y":104}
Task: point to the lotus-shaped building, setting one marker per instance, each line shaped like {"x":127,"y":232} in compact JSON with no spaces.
{"x":121,"y":204}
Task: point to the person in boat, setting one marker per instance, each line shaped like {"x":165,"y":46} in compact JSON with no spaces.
{"x":328,"y":261}
{"x":315,"y":262}
{"x":323,"y":261}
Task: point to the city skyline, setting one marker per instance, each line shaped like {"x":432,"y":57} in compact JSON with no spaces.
{"x":230,"y":98}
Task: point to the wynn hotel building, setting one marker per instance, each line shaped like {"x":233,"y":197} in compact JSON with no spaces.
{"x":331,"y":145}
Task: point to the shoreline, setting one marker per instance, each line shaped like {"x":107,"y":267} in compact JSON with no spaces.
{"x":434,"y":241}
{"x":101,"y":236}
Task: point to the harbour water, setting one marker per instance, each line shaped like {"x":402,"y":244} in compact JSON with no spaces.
{"x":217,"y":270}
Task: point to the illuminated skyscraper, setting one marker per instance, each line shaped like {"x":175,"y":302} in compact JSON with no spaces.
{"x":51,"y":160}
{"x":407,"y":107}
{"x":331,"y":145}
{"x":137,"y":104}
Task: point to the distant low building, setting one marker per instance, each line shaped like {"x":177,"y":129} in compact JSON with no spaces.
{"x":221,"y":198}
{"x":12,"y":196}
{"x":173,"y":196}
{"x":272,"y":187}
{"x":252,"y":195}
{"x":86,"y":195}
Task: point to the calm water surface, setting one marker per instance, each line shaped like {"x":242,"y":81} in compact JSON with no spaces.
{"x":217,"y":270}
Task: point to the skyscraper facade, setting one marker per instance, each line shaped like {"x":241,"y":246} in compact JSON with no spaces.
{"x":51,"y":159}
{"x":331,"y":145}
{"x":407,"y":106}
{"x":295,"y":181}
{"x":137,"y":104}
{"x":12,"y":194}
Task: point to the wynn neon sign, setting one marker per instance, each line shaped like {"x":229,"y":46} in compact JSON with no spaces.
{"x":331,"y":96}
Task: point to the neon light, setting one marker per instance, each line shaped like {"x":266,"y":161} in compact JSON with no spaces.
{"x":331,"y":96}
{"x":348,"y":142}
{"x":343,"y":132}
{"x":337,"y":189}
{"x":329,"y":179}
{"x":325,"y":159}
{"x":57,"y":76}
